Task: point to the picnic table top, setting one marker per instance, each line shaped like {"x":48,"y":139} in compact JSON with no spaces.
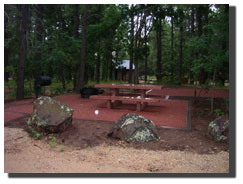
{"x":130,"y":86}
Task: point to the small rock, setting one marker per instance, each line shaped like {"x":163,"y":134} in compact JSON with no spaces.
{"x":218,"y":129}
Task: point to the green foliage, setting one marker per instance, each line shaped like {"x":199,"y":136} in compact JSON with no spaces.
{"x":218,"y":112}
{"x":62,"y":148}
{"x":204,"y":112}
{"x":33,"y":132}
{"x":92,"y":83}
{"x":58,"y":90}
{"x":9,"y":68}
{"x":11,"y":83}
{"x":110,"y":148}
{"x":53,"y":141}
{"x":108,"y":35}
{"x":28,"y":92}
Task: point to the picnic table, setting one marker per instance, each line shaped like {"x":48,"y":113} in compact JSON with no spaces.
{"x":118,"y":96}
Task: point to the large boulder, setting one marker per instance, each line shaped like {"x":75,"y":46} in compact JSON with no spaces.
{"x":218,"y":129}
{"x":134,"y":128}
{"x":50,"y":115}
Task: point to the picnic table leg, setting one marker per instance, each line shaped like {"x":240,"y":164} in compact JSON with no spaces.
{"x":109,"y":104}
{"x":144,"y":104}
{"x":115,"y":92}
{"x":139,"y":106}
{"x":143,"y":95}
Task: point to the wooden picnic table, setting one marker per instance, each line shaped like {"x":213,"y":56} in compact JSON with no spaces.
{"x":118,"y":97}
{"x":141,"y":87}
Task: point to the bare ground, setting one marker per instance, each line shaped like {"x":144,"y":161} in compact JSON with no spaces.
{"x":85,"y":148}
{"x":23,"y":154}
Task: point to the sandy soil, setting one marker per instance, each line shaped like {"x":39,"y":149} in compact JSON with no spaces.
{"x":23,"y":154}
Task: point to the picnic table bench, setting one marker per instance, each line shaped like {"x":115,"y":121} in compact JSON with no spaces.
{"x":117,"y":97}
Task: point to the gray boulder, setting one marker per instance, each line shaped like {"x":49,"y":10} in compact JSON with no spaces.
{"x":218,"y":129}
{"x":134,"y":128}
{"x":50,"y":115}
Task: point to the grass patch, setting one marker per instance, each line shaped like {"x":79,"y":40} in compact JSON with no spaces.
{"x":92,"y":83}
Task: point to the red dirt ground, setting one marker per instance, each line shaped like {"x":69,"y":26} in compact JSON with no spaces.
{"x":171,"y":113}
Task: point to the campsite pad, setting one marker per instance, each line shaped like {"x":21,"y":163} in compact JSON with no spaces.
{"x":171,"y":113}
{"x":167,"y":113}
{"x":89,"y":130}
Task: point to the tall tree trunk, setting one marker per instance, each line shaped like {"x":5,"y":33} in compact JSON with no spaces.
{"x":131,"y":49}
{"x":6,"y":36}
{"x":61,"y":72}
{"x":172,"y":48}
{"x":39,"y":37}
{"x":23,"y":44}
{"x":63,"y":26}
{"x":146,"y":69}
{"x":180,"y":49}
{"x":80,"y":79}
{"x":205,"y":51}
{"x":199,"y":21}
{"x":92,"y":73}
{"x":135,"y":80}
{"x":136,"y":69}
{"x":6,"y":73}
{"x":158,"y":41}
{"x":192,"y":34}
{"x":199,"y":33}
{"x":103,"y":68}
{"x":146,"y":56}
{"x":212,"y":90}
{"x":109,"y":61}
{"x":76,"y":21}
{"x":98,"y":65}
{"x":116,"y":63}
{"x":225,"y":46}
{"x":138,"y":43}
{"x":76,"y":36}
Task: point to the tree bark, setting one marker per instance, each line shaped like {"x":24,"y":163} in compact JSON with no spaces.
{"x":80,"y":80}
{"x":180,"y":61}
{"x":76,"y":23}
{"x":131,"y":49}
{"x":158,"y":41}
{"x":199,"y":21}
{"x":172,"y":48}
{"x":39,"y":37}
{"x":6,"y":37}
{"x":22,"y":57}
{"x":212,"y":90}
{"x":199,"y":33}
{"x":104,"y":64}
{"x":146,"y":55}
{"x":98,"y":67}
{"x":63,"y":26}
{"x":192,"y":34}
{"x":6,"y":74}
{"x":109,"y":60}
